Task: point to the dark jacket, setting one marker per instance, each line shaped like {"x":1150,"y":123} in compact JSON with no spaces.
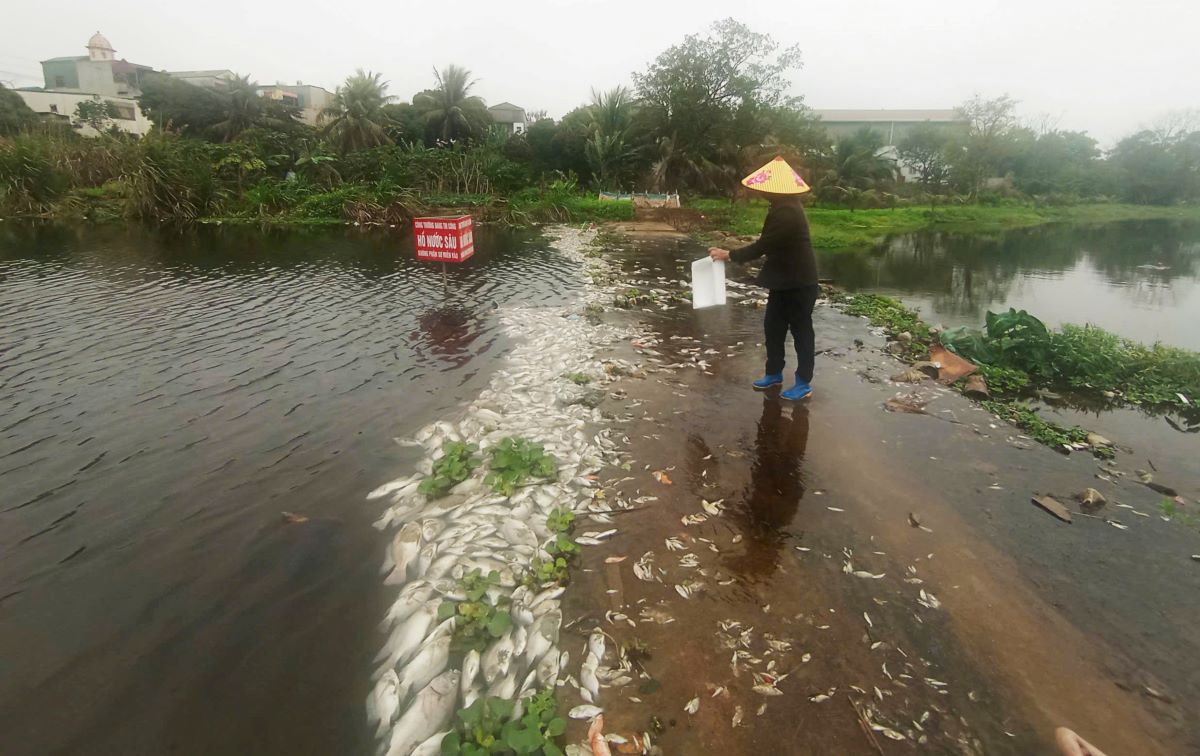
{"x":786,"y":243}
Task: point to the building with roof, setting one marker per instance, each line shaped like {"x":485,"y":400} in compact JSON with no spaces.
{"x":99,"y":72}
{"x":98,"y":76}
{"x":892,"y":125}
{"x":215,"y":78}
{"x":309,"y":99}
{"x":509,"y":118}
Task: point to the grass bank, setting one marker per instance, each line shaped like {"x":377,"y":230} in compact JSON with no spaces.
{"x":838,"y":227}
{"x":1020,"y":358}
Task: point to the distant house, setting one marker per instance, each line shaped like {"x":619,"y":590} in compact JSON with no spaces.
{"x":892,"y":125}
{"x":311,"y":100}
{"x":95,"y":77}
{"x":218,"y":78}
{"x":99,"y":72}
{"x":509,"y":118}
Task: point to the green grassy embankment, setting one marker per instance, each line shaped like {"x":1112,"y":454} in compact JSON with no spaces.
{"x":839,"y":228}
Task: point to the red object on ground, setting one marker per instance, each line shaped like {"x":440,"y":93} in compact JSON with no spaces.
{"x":444,"y":239}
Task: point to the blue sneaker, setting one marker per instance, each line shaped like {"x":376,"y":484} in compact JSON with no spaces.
{"x":802,"y":390}
{"x":767,"y":381}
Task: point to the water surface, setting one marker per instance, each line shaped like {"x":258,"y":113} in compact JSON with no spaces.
{"x":163,"y":398}
{"x":1140,"y":279}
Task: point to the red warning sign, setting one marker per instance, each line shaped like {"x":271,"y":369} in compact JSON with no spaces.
{"x":444,"y":239}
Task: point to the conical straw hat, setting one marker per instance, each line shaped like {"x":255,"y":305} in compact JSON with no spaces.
{"x":776,"y":177}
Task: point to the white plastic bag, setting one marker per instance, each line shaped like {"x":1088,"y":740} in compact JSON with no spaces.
{"x":708,"y":283}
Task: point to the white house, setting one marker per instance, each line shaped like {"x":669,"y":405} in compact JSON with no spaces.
{"x":62,"y":105}
{"x":509,"y":118}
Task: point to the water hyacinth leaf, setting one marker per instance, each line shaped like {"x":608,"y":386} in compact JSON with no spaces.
{"x":556,"y":727}
{"x":499,"y":624}
{"x":446,"y":610}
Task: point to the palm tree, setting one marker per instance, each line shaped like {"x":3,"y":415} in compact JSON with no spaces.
{"x":451,"y":112}
{"x":242,"y":108}
{"x":356,"y":119}
{"x":857,"y":162}
{"x":610,"y":148}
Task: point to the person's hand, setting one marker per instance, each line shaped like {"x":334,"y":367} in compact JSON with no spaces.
{"x":1073,"y":745}
{"x":717,"y":253}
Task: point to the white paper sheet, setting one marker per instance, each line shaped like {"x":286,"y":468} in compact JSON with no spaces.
{"x":708,"y":283}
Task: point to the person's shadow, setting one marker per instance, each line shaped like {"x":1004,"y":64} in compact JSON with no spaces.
{"x":776,"y":487}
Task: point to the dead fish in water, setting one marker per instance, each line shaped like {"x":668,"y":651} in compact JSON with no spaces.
{"x":414,"y":595}
{"x":765,"y":689}
{"x":596,"y":738}
{"x":383,"y":702}
{"x":711,"y":507}
{"x":693,"y":519}
{"x":399,"y":487}
{"x":595,"y":645}
{"x":496,"y":659}
{"x":585,"y":711}
{"x":432,"y":746}
{"x":405,"y":547}
{"x":928,"y":600}
{"x":470,"y":669}
{"x":429,"y":662}
{"x":406,"y":638}
{"x":738,"y":716}
{"x":692,"y":706}
{"x":644,"y":567}
{"x":294,"y":519}
{"x":429,"y":713}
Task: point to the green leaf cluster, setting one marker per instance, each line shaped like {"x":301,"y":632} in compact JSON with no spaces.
{"x":487,"y":727}
{"x":514,"y":461}
{"x":453,"y":467}
{"x":562,"y":551}
{"x":580,"y":379}
{"x":477,"y":620}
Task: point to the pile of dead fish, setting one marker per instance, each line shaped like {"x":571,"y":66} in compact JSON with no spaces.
{"x":437,"y":542}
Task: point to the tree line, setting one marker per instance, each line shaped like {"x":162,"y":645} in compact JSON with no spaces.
{"x":704,"y":113}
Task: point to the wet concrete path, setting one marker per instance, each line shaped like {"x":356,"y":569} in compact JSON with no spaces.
{"x":812,"y":574}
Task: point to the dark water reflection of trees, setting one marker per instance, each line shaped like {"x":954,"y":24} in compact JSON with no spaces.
{"x":966,"y":274}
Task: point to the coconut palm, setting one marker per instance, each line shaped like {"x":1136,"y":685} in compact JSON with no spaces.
{"x":242,"y":108}
{"x":451,"y":113}
{"x":356,"y":119}
{"x":610,"y":148}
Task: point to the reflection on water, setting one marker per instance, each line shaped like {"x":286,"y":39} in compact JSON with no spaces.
{"x":163,"y":397}
{"x":776,"y":485}
{"x":1138,"y":278}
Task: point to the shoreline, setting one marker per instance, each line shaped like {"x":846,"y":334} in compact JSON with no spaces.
{"x":837,"y":228}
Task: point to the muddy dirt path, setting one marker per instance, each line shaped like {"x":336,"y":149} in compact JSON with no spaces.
{"x":809,"y":614}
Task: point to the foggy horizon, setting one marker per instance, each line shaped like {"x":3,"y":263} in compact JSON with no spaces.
{"x":1071,"y":66}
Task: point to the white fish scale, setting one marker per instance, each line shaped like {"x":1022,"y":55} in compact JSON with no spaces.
{"x":476,"y":528}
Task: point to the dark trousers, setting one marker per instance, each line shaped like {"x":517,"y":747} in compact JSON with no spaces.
{"x":791,"y":309}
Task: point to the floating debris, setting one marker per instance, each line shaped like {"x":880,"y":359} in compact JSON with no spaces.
{"x":662,"y":477}
{"x":1051,"y":505}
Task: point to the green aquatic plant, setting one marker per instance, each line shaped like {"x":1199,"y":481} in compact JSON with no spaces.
{"x":1001,"y":380}
{"x":579,"y":379}
{"x":488,"y":726}
{"x":1041,"y":429}
{"x":477,"y":621}
{"x":562,"y":551}
{"x":514,"y":461}
{"x":453,"y":467}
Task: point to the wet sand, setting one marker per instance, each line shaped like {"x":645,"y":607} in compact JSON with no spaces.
{"x":1038,"y":623}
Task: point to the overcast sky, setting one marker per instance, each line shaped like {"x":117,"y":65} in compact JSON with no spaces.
{"x":1097,"y":65}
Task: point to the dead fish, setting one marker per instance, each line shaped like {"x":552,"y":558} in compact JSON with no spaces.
{"x":432,"y":746}
{"x":738,"y":716}
{"x":429,"y":713}
{"x":470,"y":669}
{"x":429,"y":662}
{"x":383,"y":702}
{"x":596,"y":646}
{"x":413,"y":596}
{"x":399,"y":487}
{"x":548,"y":668}
{"x":644,"y":568}
{"x":504,"y":687}
{"x":596,"y":738}
{"x":764,"y":689}
{"x":868,"y":576}
{"x":496,"y":659}
{"x":928,"y":600}
{"x":711,"y":507}
{"x":693,"y":519}
{"x":405,"y":546}
{"x":692,"y":706}
{"x":585,"y":711}
{"x":674,"y":544}
{"x":406,"y":638}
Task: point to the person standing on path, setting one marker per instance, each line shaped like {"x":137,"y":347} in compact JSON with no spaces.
{"x":789,"y":274}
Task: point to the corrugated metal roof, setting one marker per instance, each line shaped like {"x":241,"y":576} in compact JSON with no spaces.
{"x":884,"y":115}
